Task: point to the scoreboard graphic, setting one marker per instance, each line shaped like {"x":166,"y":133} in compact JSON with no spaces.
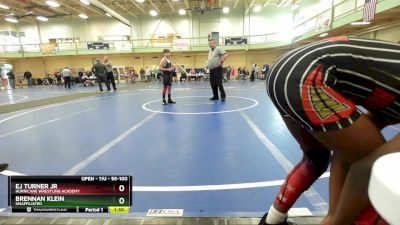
{"x":70,"y":194}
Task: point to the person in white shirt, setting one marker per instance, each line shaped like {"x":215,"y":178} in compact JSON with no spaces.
{"x":86,"y":81}
{"x":109,"y":73}
{"x":5,"y":80}
{"x":255,"y":74}
{"x":66,"y":74}
{"x":192,"y":74}
{"x":216,"y":58}
{"x":148,"y":73}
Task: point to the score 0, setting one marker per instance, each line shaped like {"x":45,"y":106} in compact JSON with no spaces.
{"x":121,"y":189}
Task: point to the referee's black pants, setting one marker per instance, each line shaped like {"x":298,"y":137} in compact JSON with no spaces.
{"x":111,"y":80}
{"x":102,"y":78}
{"x":216,"y":82}
{"x":67,"y":82}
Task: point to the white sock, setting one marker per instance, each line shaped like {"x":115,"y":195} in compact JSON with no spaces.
{"x":275,"y":217}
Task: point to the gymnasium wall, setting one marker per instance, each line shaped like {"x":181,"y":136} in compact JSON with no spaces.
{"x":391,"y":34}
{"x":310,"y":8}
{"x":239,"y":22}
{"x":41,"y":66}
{"x":271,"y":19}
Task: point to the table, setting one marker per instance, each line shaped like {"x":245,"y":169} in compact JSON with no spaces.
{"x":384,"y":187}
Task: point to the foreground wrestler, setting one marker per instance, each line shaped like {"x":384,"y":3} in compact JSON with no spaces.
{"x":316,"y":89}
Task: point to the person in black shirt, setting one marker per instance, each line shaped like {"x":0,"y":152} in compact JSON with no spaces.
{"x":167,"y":69}
{"x":174,"y":75}
{"x":11,"y":78}
{"x":57,"y":75}
{"x":80,"y":74}
{"x":264,"y":71}
{"x":142,"y":76}
{"x":99,"y":70}
{"x":183,"y":76}
{"x":28,"y":77}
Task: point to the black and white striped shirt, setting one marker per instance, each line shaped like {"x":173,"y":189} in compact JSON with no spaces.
{"x":318,"y":85}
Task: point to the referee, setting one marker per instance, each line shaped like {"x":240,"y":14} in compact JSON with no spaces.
{"x":216,"y":58}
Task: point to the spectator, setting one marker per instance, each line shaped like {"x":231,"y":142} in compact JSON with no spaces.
{"x":254,"y":73}
{"x":85,"y":81}
{"x":228,"y":73}
{"x":264,"y":71}
{"x":80,"y":74}
{"x":89,"y":74}
{"x":50,"y":78}
{"x":57,"y":75}
{"x":46,"y":80}
{"x":148,"y":73}
{"x":159,"y":76}
{"x":142,"y":75}
{"x":133,"y":75}
{"x":183,"y":76}
{"x":20,"y":80}
{"x":240,"y":73}
{"x":207,"y":70}
{"x":257,"y":72}
{"x":130,"y":77}
{"x":28,"y":77}
{"x":232,"y":73}
{"x":192,"y":74}
{"x":174,"y":75}
{"x":11,"y":78}
{"x":5,"y":80}
{"x":66,"y":74}
{"x":245,"y":73}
